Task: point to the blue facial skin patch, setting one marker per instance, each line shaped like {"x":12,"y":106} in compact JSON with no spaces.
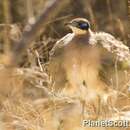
{"x":84,"y":26}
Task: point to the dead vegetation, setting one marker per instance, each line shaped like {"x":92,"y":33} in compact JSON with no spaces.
{"x":27,"y":99}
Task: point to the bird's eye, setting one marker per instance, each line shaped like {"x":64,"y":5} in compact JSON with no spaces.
{"x":84,"y":26}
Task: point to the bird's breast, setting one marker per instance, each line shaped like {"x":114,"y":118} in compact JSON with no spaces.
{"x":82,"y":60}
{"x":81,"y":53}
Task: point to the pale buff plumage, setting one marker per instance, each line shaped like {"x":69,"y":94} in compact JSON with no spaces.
{"x":83,"y":64}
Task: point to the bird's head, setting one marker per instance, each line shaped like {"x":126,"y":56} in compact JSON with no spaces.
{"x":79,"y":26}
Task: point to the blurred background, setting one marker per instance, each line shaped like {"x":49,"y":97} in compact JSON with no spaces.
{"x":25,"y":100}
{"x":105,"y":15}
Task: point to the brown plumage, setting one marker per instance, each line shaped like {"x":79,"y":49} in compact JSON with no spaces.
{"x":83,"y":62}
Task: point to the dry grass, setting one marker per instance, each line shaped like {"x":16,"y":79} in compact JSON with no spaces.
{"x":27,"y":100}
{"x":28,"y":104}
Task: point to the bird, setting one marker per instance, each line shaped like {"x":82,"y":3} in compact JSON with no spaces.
{"x":88,"y":64}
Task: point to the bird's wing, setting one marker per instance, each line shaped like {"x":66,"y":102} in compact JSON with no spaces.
{"x":115,"y":57}
{"x":117,"y":51}
{"x":55,"y":67}
{"x":112,"y":45}
{"x":61,"y":44}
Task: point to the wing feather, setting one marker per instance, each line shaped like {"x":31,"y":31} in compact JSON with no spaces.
{"x":60,"y":44}
{"x":112,"y":45}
